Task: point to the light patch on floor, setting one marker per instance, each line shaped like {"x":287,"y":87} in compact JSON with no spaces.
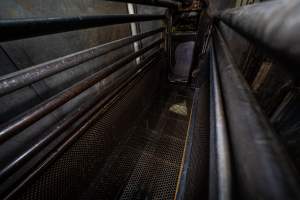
{"x":179,"y":108}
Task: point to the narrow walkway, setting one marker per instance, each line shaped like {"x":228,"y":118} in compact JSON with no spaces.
{"x":147,"y":164}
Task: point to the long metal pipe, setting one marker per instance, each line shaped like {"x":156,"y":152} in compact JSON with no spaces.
{"x":263,"y":169}
{"x":272,"y":24}
{"x":89,"y":117}
{"x":65,"y":123}
{"x":12,"y":29}
{"x":19,"y":79}
{"x":159,"y":3}
{"x":221,"y":187}
{"x":39,"y":111}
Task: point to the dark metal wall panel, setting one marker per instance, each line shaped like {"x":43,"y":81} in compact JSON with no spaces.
{"x":24,"y":53}
{"x":286,"y":120}
{"x":147,"y":26}
{"x":21,"y":54}
{"x":70,"y":175}
{"x":271,"y":85}
{"x":27,"y":52}
{"x":17,"y":101}
{"x":182,"y":59}
{"x":61,"y":44}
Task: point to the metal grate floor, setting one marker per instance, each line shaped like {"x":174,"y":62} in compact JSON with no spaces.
{"x":146,"y":165}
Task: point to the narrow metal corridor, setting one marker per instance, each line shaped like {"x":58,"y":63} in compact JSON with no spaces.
{"x":149,"y":100}
{"x":146,"y":165}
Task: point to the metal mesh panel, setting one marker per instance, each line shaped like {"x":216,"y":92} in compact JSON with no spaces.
{"x":119,"y":159}
{"x":152,"y":178}
{"x":147,"y":164}
{"x":194,"y":179}
{"x":198,"y":173}
{"x":161,"y":145}
{"x":68,"y":176}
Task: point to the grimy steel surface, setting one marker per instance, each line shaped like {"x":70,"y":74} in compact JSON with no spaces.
{"x":12,"y":29}
{"x":120,"y":100}
{"x":263,"y":169}
{"x":272,"y":24}
{"x":220,"y":168}
{"x":21,"y":78}
{"x":154,"y":150}
{"x":144,"y":157}
{"x":37,"y":112}
{"x":193,"y":178}
{"x":87,"y":110}
{"x":20,"y":54}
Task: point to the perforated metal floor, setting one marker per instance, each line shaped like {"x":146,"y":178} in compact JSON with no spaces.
{"x":147,"y":164}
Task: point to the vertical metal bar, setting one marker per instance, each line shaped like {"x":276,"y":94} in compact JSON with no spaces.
{"x":169,"y":38}
{"x":133,"y":28}
{"x":241,"y":3}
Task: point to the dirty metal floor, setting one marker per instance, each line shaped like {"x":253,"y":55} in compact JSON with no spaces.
{"x":146,"y":165}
